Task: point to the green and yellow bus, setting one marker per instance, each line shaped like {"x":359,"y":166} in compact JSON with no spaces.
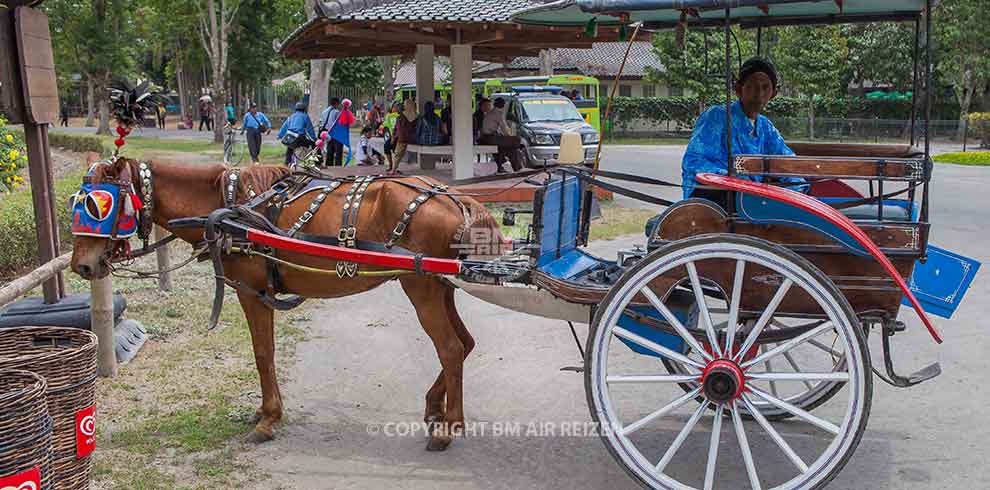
{"x":479,"y":86}
{"x":587,"y":87}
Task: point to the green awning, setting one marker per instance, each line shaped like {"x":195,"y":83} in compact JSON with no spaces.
{"x":666,"y":13}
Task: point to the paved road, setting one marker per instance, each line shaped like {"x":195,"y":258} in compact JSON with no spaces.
{"x":368,"y":362}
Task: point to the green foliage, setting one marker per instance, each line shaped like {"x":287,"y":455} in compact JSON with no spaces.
{"x":19,"y":242}
{"x":880,"y":52}
{"x":13,"y":157}
{"x":259,"y":23}
{"x":981,"y":122}
{"x":692,"y":66}
{"x":78,"y":143}
{"x":364,"y":73}
{"x":962,"y":35}
{"x":810,"y":60}
{"x":968,"y":158}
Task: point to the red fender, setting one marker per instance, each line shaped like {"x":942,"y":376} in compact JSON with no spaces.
{"x":812,"y":205}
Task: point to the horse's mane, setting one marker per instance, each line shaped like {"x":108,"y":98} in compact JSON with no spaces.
{"x":257,"y":178}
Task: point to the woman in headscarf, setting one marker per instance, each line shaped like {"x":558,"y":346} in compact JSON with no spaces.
{"x":405,"y":133}
{"x":428,"y":132}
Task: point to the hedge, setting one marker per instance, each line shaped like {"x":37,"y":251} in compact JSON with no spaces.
{"x":75,"y":142}
{"x":684,"y":110}
{"x":19,"y":242}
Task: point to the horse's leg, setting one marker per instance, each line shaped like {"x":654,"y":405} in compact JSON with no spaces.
{"x":429,"y":298}
{"x":261,"y":321}
{"x":435,"y":396}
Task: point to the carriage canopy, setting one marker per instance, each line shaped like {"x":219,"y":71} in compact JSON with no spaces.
{"x":659,"y":14}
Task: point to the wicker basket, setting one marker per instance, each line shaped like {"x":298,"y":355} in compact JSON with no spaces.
{"x":25,"y":426}
{"x":66,"y":358}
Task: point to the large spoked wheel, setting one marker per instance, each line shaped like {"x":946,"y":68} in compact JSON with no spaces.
{"x":665,"y":441}
{"x":816,"y":355}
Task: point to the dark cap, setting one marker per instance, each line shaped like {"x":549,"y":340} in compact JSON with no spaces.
{"x":253,"y":105}
{"x":757,"y":65}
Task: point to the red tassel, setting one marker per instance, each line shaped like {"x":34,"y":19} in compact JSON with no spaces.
{"x":136,"y":202}
{"x":119,"y":142}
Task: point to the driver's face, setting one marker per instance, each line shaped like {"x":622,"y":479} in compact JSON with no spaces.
{"x":755,"y":93}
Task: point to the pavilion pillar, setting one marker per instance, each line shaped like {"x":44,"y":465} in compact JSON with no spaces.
{"x":424,"y":75}
{"x":463,"y":135}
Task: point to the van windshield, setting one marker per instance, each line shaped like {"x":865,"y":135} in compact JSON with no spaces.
{"x":550,"y":110}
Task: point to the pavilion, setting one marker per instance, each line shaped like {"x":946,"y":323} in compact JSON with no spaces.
{"x":463,"y":30}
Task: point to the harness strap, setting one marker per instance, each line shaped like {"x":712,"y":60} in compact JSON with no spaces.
{"x":230,"y":194}
{"x":400,"y":227}
{"x":313,"y":208}
{"x":147,"y":201}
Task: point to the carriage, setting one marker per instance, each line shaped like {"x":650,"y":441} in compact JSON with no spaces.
{"x":755,"y":315}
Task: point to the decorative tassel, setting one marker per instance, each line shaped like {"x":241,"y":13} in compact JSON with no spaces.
{"x":591,"y":28}
{"x":132,"y":205}
{"x":623,"y":35}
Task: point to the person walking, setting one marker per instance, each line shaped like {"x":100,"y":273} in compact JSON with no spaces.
{"x":231,"y":114}
{"x":64,"y":116}
{"x":256,"y":124}
{"x":388,"y":130}
{"x":405,"y":133}
{"x":339,"y":134}
{"x":206,"y":112}
{"x":161,"y":113}
{"x":328,"y":118}
{"x":297,"y":131}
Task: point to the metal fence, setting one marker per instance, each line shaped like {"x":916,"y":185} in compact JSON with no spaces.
{"x":281,"y":100}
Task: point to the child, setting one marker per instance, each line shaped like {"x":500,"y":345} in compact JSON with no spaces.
{"x":366,"y":155}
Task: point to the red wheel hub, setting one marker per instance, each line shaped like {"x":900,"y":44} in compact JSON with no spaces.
{"x":723,"y":381}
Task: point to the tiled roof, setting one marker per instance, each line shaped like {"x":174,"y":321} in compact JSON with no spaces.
{"x":603,"y":59}
{"x":424,"y":10}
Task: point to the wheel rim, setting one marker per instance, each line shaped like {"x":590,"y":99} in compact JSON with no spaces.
{"x":808,"y":471}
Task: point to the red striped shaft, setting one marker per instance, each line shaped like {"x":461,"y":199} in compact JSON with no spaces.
{"x":380,"y":259}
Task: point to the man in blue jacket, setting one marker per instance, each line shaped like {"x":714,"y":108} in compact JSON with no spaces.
{"x":255,"y":125}
{"x":297,"y":131}
{"x":752,"y":133}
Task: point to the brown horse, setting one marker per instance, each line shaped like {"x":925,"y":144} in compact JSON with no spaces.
{"x":196,"y":190}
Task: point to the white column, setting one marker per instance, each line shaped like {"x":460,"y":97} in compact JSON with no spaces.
{"x":460,"y":63}
{"x":424,"y":75}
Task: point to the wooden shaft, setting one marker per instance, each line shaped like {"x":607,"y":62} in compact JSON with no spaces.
{"x":24,"y":284}
{"x":164,"y":261}
{"x":101,"y":299}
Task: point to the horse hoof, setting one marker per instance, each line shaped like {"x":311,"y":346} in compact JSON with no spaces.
{"x":258,"y":437}
{"x":439,"y":443}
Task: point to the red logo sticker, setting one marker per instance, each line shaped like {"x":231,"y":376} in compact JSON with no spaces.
{"x":85,"y":432}
{"x":29,"y":480}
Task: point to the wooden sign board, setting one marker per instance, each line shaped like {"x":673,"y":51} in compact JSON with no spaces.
{"x":11,"y":95}
{"x":37,"y":63}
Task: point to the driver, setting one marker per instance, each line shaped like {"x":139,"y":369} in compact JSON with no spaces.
{"x":752,"y":133}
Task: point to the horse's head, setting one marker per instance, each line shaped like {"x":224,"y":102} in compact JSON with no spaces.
{"x":104,"y":216}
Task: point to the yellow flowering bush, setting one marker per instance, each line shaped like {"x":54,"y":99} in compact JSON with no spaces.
{"x":13,"y":158}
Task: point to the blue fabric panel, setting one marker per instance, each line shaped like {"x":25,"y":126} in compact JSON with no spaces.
{"x":668,"y":340}
{"x":559,"y":236}
{"x":770,"y":212}
{"x":940,"y":282}
{"x":571,"y":264}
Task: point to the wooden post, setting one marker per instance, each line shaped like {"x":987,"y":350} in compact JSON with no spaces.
{"x":42,"y":195}
{"x":164,"y":261}
{"x":101,"y":300}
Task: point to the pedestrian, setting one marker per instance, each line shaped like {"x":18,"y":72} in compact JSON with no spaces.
{"x":388,"y":130}
{"x":231,"y":114}
{"x":375,"y":117}
{"x":428,"y":129}
{"x":206,"y":112}
{"x":161,"y":113}
{"x":297,"y":131}
{"x":447,"y":122}
{"x":256,"y":124}
{"x":365,"y":154}
{"x":495,"y":131}
{"x":339,"y":134}
{"x":327,"y":119}
{"x":64,"y":116}
{"x":405,"y":133}
{"x":483,"y":104}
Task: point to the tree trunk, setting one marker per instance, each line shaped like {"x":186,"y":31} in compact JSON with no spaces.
{"x":90,"y":103}
{"x":104,"y":104}
{"x":811,"y":119}
{"x":546,"y":63}
{"x":965,"y":99}
{"x":388,"y":72}
{"x":180,"y":78}
{"x":319,"y":77}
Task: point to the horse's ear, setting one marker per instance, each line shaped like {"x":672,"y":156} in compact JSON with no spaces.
{"x":122,"y":169}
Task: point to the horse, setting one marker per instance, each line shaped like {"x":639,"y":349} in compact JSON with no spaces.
{"x":183,"y":190}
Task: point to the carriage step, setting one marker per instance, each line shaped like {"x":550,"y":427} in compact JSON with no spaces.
{"x":897,"y":380}
{"x":576,"y":369}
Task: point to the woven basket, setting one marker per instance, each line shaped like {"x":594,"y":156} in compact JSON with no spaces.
{"x":25,"y":426}
{"x":66,"y":358}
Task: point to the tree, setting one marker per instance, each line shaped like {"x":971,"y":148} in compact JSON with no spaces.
{"x":881,"y":53}
{"x":811,"y":61}
{"x":698,"y":63}
{"x":319,"y":76}
{"x":962,"y":34}
{"x":214,"y":29}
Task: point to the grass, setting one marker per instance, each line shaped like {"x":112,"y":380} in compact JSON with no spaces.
{"x":967,"y":158}
{"x":614,"y":222}
{"x":177,"y":412}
